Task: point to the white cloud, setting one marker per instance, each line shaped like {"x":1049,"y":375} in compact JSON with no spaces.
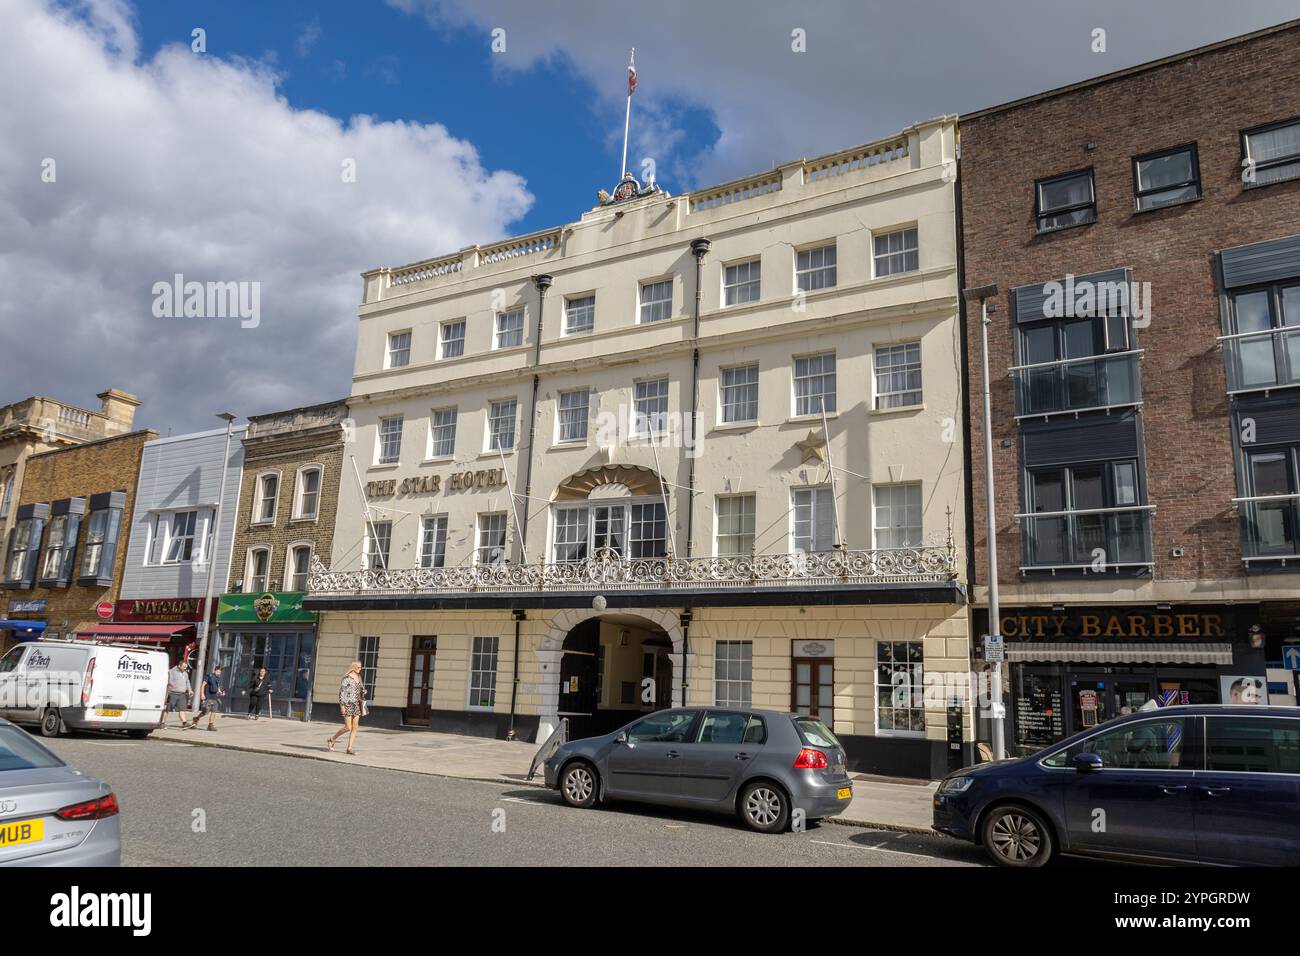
{"x":307,"y":38}
{"x":192,"y":164}
{"x":869,"y":68}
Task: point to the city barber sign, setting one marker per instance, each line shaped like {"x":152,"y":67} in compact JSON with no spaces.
{"x":1117,"y":624}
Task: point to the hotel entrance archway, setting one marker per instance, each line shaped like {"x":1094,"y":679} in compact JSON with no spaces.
{"x":611,"y":668}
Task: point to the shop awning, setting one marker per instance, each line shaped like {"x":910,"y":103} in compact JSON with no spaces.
{"x":1131,"y":653}
{"x":24,"y":630}
{"x":135,"y":632}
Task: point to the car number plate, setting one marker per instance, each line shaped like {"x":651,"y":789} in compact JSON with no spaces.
{"x":108,"y":712}
{"x":28,"y":831}
{"x":844,"y":793}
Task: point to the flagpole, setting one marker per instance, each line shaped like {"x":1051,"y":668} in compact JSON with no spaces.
{"x":627,"y":118}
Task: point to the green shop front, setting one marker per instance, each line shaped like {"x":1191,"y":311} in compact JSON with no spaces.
{"x":268,"y":630}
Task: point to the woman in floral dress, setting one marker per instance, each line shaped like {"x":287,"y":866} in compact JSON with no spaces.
{"x":352,"y":695}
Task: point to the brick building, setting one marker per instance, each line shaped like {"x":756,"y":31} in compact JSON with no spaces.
{"x":68,"y":549}
{"x":38,"y":424}
{"x":293,"y":462}
{"x":1141,"y":229}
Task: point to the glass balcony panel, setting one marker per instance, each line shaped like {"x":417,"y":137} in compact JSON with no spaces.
{"x":1070,"y":541}
{"x":1263,"y":359}
{"x":1271,"y":527}
{"x":1070,"y":385}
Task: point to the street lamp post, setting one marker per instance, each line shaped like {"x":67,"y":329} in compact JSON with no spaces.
{"x":983,"y":294}
{"x":206,"y":621}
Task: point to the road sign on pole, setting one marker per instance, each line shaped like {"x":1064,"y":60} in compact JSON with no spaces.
{"x":994,"y":648}
{"x":1291,"y":656}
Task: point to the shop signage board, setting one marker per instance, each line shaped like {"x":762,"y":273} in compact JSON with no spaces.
{"x":1108,"y":624}
{"x":268,"y":607}
{"x":158,"y":610}
{"x":35,"y":606}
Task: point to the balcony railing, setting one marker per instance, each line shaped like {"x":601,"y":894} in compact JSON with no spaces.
{"x":1270,"y":529}
{"x":607,"y":571}
{"x":1080,"y":384}
{"x":1262,"y":360}
{"x":1092,"y":540}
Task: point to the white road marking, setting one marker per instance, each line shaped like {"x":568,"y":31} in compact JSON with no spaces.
{"x":877,"y":849}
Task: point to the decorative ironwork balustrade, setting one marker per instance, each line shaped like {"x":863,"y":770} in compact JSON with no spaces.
{"x":607,"y":570}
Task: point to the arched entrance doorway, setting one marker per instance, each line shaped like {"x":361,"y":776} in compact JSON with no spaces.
{"x":606,"y":668}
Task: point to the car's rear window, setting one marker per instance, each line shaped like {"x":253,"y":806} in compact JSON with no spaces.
{"x":19,"y":752}
{"x":814,"y":733}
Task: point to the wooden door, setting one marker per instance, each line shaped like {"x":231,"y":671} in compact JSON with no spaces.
{"x":419,"y":698}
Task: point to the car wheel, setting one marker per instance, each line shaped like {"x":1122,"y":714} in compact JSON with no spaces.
{"x":51,"y":723}
{"x":765,"y":807}
{"x":138,"y":734}
{"x":1016,"y":836}
{"x":579,"y":785}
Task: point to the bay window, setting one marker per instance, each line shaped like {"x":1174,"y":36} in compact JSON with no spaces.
{"x":634,"y":529}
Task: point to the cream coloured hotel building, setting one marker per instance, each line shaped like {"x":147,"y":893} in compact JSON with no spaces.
{"x":530,"y":528}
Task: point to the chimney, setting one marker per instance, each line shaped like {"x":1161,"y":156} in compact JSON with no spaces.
{"x":119,"y":408}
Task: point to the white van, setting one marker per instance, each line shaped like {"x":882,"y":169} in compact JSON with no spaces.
{"x":79,"y":685}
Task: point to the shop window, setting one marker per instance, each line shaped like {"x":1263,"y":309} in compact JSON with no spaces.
{"x":483,"y":673}
{"x":368,"y":655}
{"x":733,"y":673}
{"x":900,"y":687}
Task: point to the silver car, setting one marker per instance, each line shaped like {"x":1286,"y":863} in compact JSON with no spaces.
{"x":762,"y":765}
{"x":51,"y":814}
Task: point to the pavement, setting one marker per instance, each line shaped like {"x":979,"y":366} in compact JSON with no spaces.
{"x":878,"y":803}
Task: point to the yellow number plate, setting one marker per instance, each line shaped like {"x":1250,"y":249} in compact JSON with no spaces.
{"x":29,"y":831}
{"x":106,"y":712}
{"x":844,"y":793}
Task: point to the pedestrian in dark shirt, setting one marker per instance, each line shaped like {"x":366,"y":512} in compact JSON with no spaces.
{"x":258,"y":687}
{"x":210,"y":694}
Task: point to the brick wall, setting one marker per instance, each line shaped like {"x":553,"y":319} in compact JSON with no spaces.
{"x":286,"y":454}
{"x":1207,"y":99}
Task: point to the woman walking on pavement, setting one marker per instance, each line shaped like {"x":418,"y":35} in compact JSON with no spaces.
{"x":258,"y":687}
{"x":352,"y":705}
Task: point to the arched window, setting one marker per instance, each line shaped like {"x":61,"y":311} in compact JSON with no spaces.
{"x":306,"y":498}
{"x":257,"y":575}
{"x":297,"y":566}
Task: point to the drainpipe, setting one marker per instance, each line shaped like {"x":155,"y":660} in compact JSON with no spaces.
{"x":514,"y":684}
{"x":542,"y":282}
{"x":700,"y":248}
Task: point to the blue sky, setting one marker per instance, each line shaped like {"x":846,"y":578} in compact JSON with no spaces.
{"x":346,"y":58}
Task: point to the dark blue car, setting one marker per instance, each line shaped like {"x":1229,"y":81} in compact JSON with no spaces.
{"x":1195,"y":784}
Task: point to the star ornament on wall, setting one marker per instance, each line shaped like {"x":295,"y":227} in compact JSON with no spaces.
{"x":812,"y":448}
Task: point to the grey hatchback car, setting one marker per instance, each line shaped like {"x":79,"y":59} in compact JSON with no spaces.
{"x":759,"y":764}
{"x":51,"y":814}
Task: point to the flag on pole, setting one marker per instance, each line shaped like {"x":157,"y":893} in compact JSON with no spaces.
{"x":631,"y":73}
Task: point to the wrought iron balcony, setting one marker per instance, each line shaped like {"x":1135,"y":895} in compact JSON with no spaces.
{"x":1079,"y":384}
{"x":606,"y":570}
{"x":1091,"y":541}
{"x":1270,"y":530}
{"x":1257,"y":361}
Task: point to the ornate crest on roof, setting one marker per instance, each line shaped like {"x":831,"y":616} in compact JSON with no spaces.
{"x":627,"y":189}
